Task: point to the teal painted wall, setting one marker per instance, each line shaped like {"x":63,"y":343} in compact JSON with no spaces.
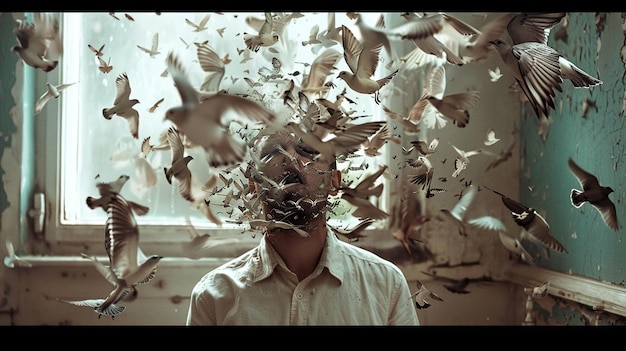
{"x":596,"y":141}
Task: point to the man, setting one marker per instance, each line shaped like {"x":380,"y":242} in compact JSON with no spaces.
{"x":300,"y":273}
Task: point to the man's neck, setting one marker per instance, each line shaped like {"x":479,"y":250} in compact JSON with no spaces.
{"x":300,"y":254}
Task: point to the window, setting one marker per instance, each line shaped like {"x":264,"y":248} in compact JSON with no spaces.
{"x":82,"y":147}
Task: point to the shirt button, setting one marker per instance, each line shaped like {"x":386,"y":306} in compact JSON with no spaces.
{"x":299,"y":296}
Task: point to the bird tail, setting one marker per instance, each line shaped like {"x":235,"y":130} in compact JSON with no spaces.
{"x":576,"y":197}
{"x":580,"y":78}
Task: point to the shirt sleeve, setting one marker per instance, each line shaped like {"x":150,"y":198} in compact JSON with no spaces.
{"x":403,"y":310}
{"x":201,"y":306}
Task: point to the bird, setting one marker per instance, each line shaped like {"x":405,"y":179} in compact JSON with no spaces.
{"x":461,"y":161}
{"x":362,"y":61}
{"x":593,"y":193}
{"x":107,"y":190}
{"x":105,"y":66}
{"x":321,"y":67}
{"x":211,"y":63}
{"x":453,"y":106}
{"x":265,"y":37}
{"x":53,"y":91}
{"x":12,"y":260}
{"x":422,"y":295}
{"x":153,"y":108}
{"x":425,"y":148}
{"x":206,"y":122}
{"x":372,"y":37}
{"x":179,"y":168}
{"x":533,"y":224}
{"x":38,"y":40}
{"x":425,"y":170}
{"x":515,"y":247}
{"x":457,"y":286}
{"x":200,"y":26}
{"x":274,"y":224}
{"x":97,"y":52}
{"x":111,"y":310}
{"x":494,"y":74}
{"x":541,"y":290}
{"x":129,"y":266}
{"x":359,"y":196}
{"x":502,"y":156}
{"x":354,"y":233}
{"x":458,"y":215}
{"x":123,"y":105}
{"x":490,"y":137}
{"x":539,"y":70}
{"x":154,"y":48}
{"x":200,"y":245}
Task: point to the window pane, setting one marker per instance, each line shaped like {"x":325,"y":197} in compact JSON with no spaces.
{"x":95,"y":149}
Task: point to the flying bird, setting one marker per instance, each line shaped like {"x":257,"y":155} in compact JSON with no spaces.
{"x":516,"y":248}
{"x":105,"y":66}
{"x":424,"y":169}
{"x":265,"y":37}
{"x":539,"y":70}
{"x":53,"y":91}
{"x":123,"y":105}
{"x":593,"y":193}
{"x":322,"y":66}
{"x":129,"y":266}
{"x":458,"y":215}
{"x":97,"y":52}
{"x":211,"y":63}
{"x":457,"y":286}
{"x":359,"y":196}
{"x":354,"y":233}
{"x":153,"y":108}
{"x":362,"y":61}
{"x":533,"y":224}
{"x":200,"y":26}
{"x":39,"y":40}
{"x":154,"y":49}
{"x":109,"y":189}
{"x":179,"y":168}
{"x":423,"y":295}
{"x":206,"y":122}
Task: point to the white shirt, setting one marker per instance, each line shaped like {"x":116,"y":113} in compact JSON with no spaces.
{"x":349,"y":286}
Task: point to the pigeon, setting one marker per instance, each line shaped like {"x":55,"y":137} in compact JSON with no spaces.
{"x":531,"y":222}
{"x":97,"y":52}
{"x":123,"y":105}
{"x":373,"y":37}
{"x":490,"y":137}
{"x":539,"y":70}
{"x":211,"y":63}
{"x":53,"y":91}
{"x":265,"y":37}
{"x":206,"y":123}
{"x":107,"y":190}
{"x":39,"y":40}
{"x":457,"y":215}
{"x":13,"y":260}
{"x":154,"y":49}
{"x":422,"y":295}
{"x":129,"y":266}
{"x":362,"y":61}
{"x":354,"y":233}
{"x":424,"y":148}
{"x":179,"y":168}
{"x":105,"y":66}
{"x":156,"y":105}
{"x":425,"y":170}
{"x":359,"y":196}
{"x":321,"y":68}
{"x":200,"y":26}
{"x":593,"y":193}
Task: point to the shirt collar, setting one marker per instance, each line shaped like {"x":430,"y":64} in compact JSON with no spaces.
{"x":332,"y":258}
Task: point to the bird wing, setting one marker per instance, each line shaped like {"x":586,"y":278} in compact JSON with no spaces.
{"x":122,"y":234}
{"x":587,"y":180}
{"x":122,"y":85}
{"x":534,"y":27}
{"x":321,"y":68}
{"x":266,"y":28}
{"x":352,"y":48}
{"x":459,"y":209}
{"x":188,"y":93}
{"x":539,"y":229}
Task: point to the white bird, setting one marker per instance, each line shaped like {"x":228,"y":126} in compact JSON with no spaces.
{"x":107,"y":190}
{"x":39,"y":40}
{"x":129,"y":266}
{"x":179,"y":168}
{"x":154,"y":48}
{"x":206,"y":123}
{"x":541,"y":290}
{"x":539,"y":70}
{"x":374,"y":37}
{"x":461,"y":162}
{"x":123,"y":105}
{"x":490,"y":137}
{"x":354,"y":233}
{"x":593,"y":193}
{"x":362,"y":61}
{"x":53,"y":91}
{"x":322,"y":66}
{"x":458,"y":215}
{"x":266,"y":36}
{"x":424,"y":169}
{"x":200,"y":245}
{"x":273,"y":224}
{"x":494,"y":74}
{"x":422,"y":295}
{"x":200,"y":26}
{"x":104,"y":67}
{"x":359,"y":196}
{"x":13,"y":260}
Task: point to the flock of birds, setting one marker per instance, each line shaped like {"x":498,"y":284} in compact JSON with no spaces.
{"x":223,"y":123}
